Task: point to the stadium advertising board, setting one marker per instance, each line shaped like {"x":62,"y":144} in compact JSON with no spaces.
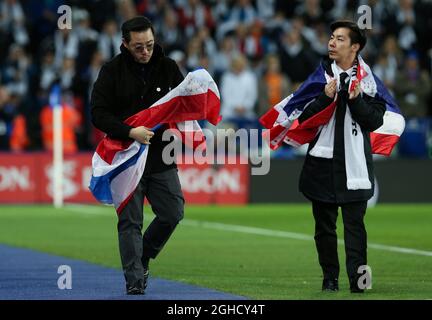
{"x":27,"y":178}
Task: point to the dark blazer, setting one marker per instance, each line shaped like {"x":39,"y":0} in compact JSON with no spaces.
{"x":325,"y":179}
{"x":125,"y":87}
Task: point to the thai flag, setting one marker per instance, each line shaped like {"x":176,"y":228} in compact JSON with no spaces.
{"x":283,"y":125}
{"x":119,"y":165}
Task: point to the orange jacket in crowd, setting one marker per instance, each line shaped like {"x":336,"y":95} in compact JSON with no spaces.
{"x":71,"y":119}
{"x":19,"y":139}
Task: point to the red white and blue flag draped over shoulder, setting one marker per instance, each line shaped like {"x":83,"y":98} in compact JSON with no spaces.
{"x":283,"y":125}
{"x":118,"y":165}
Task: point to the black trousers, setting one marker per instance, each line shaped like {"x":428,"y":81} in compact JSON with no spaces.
{"x":163,"y":191}
{"x":355,"y":237}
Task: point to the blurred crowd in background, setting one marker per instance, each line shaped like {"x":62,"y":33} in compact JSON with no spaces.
{"x":258,"y":51}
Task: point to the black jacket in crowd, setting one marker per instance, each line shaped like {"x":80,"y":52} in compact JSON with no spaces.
{"x":124,"y":87}
{"x":325,"y":179}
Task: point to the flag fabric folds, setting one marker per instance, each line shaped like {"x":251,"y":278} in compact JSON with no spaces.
{"x":281,"y":120}
{"x":118,"y":165}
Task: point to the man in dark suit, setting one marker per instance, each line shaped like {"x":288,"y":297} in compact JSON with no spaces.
{"x":132,"y":81}
{"x":324,"y":176}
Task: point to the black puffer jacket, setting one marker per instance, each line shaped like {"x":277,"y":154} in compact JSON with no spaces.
{"x":325,"y":179}
{"x":125,"y":87}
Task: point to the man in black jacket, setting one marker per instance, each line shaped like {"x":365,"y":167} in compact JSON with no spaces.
{"x":132,"y":81}
{"x":324,"y":177}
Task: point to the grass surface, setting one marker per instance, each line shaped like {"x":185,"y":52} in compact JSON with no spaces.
{"x":268,"y":266}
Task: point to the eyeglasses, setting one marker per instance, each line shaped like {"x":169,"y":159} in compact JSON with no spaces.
{"x":139,"y":47}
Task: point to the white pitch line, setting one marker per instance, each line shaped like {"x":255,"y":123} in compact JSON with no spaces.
{"x":245,"y":229}
{"x":291,"y":235}
{"x":99,"y":210}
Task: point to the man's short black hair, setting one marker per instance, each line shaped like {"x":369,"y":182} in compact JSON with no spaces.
{"x":356,"y":34}
{"x":139,"y":23}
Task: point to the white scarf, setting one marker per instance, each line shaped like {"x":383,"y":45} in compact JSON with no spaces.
{"x":355,"y":160}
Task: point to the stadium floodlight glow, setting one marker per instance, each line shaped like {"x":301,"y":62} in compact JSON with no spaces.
{"x":55,"y":103}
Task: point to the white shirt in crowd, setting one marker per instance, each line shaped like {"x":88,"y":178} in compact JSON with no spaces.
{"x":238,"y":90}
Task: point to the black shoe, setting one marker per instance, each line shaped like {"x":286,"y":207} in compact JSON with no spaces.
{"x":355,"y":289}
{"x":330,"y":285}
{"x":134,"y":290}
{"x":137,"y":288}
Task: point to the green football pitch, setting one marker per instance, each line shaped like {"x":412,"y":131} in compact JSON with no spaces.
{"x":258,"y":251}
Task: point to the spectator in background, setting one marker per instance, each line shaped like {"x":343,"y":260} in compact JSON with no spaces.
{"x":412,"y":87}
{"x":93,"y":69}
{"x":68,"y":74}
{"x":126,"y":10}
{"x":238,"y":91}
{"x":71,"y":120}
{"x":12,"y":21}
{"x":194,"y":15}
{"x":91,"y":135}
{"x":204,"y":63}
{"x":265,"y":9}
{"x":242,"y":13}
{"x":275,"y":27}
{"x":296,"y":61}
{"x":208,"y":44}
{"x":87,"y":38}
{"x":7,"y":112}
{"x":194,"y":53}
{"x":101,"y":11}
{"x":76,"y":96}
{"x":307,"y":33}
{"x":406,"y":18}
{"x":254,"y":45}
{"x":10,"y":108}
{"x":380,"y":11}
{"x":82,"y":26}
{"x":319,"y":40}
{"x":155,"y":10}
{"x":48,"y":72}
{"x":384,"y":70}
{"x":41,"y":20}
{"x":286,"y":8}
{"x":274,"y":86}
{"x":240,"y":35}
{"x":311,"y":12}
{"x":220,"y":10}
{"x":19,"y":139}
{"x":388,"y":62}
{"x":109,"y":40}
{"x":14,"y":73}
{"x":429,"y":103}
{"x":180,"y":58}
{"x":430,"y":73}
{"x":66,"y":45}
{"x":170,"y":35}
{"x":232,"y":24}
{"x":222,"y":59}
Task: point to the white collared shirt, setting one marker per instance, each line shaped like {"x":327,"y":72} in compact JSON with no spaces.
{"x":340,"y":70}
